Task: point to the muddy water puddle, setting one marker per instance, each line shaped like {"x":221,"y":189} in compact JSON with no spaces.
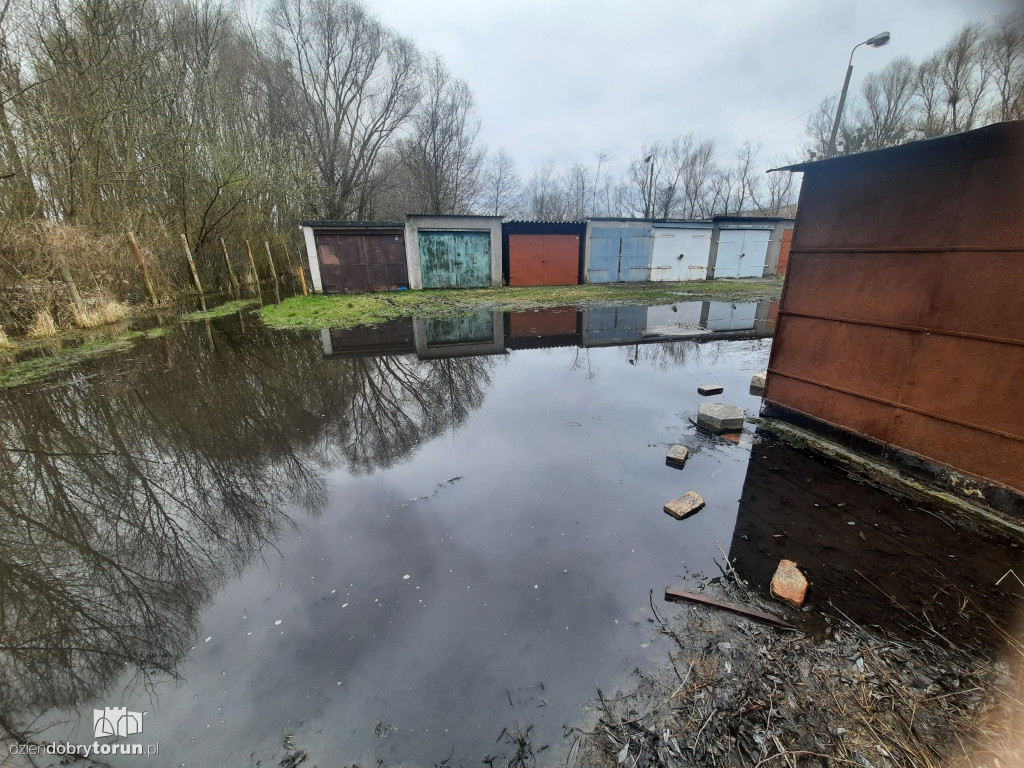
{"x":397,"y":544}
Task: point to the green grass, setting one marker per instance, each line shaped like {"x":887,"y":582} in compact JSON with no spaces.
{"x":318,"y":311}
{"x":228,"y":308}
{"x":33,"y":369}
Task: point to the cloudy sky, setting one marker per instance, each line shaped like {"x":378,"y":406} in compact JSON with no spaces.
{"x":563,"y":80}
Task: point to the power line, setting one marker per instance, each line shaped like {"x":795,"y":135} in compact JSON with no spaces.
{"x":773,"y":130}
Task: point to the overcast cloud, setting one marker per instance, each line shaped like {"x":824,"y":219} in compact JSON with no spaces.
{"x":566,"y":79}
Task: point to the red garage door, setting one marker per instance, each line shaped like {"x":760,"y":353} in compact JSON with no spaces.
{"x":543,"y":259}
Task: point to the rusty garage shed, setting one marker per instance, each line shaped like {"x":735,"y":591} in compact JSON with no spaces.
{"x":356,"y":256}
{"x":900,"y":330}
{"x":543,"y":252}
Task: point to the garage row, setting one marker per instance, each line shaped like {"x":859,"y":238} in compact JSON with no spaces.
{"x":427,"y":252}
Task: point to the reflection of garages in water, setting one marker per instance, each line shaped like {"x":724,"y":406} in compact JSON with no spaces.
{"x":681,"y":250}
{"x":454,"y":251}
{"x":618,"y":251}
{"x":481,"y":333}
{"x":543,"y":253}
{"x":356,"y":257}
{"x":610,"y":325}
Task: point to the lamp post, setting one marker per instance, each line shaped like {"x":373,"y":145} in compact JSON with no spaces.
{"x":649,"y":202}
{"x":882,"y":38}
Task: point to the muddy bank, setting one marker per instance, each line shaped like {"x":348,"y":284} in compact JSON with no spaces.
{"x":738,"y":693}
{"x":907,"y":653}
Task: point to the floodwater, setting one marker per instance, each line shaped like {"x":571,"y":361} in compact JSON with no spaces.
{"x":397,"y":545}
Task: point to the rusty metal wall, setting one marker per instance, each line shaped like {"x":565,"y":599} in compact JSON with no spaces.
{"x":784,"y":248}
{"x":901,"y":315}
{"x":543,"y":259}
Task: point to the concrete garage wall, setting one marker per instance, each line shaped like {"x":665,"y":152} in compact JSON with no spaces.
{"x":414,"y":223}
{"x":900,"y":330}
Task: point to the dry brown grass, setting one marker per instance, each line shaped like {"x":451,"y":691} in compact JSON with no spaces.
{"x":106,"y":312}
{"x":5,"y":343}
{"x":42,"y":325}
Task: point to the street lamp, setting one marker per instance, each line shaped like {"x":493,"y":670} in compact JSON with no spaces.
{"x":649,"y":202}
{"x":882,"y":38}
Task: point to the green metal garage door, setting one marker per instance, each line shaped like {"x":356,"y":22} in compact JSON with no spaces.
{"x":455,"y":259}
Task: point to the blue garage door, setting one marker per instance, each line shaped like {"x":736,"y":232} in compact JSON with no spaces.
{"x":619,"y":255}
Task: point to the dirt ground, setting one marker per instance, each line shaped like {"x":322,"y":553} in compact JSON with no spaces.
{"x":740,"y":693}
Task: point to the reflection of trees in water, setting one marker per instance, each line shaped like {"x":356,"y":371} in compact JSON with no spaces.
{"x":128,"y":499}
{"x":397,"y":403}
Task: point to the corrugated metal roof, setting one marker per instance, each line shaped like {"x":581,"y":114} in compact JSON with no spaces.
{"x":1001,"y":138}
{"x":353,"y":224}
{"x":545,"y":221}
{"x":452,"y":216}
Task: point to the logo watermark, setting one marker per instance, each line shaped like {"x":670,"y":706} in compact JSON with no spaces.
{"x":106,"y":723}
{"x":115,"y":721}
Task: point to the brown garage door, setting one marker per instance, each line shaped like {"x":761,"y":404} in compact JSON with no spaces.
{"x":543,"y":259}
{"x":356,"y":262}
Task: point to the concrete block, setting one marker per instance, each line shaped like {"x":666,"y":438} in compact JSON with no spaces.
{"x":720,"y":417}
{"x":788,"y":584}
{"x":677,"y":455}
{"x":757,"y":383}
{"x":685,"y":505}
{"x":710,"y":389}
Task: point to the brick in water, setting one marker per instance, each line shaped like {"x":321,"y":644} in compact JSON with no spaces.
{"x":757,"y":383}
{"x":685,"y":505}
{"x":788,"y":584}
{"x":720,"y":417}
{"x":677,"y":455}
{"x":710,"y":389}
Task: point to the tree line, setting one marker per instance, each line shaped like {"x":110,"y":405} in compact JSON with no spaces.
{"x":975,"y":79}
{"x":164,"y":117}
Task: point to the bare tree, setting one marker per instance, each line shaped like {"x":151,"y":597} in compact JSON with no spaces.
{"x":501,"y":188}
{"x":358,"y":84}
{"x":1003,"y":51}
{"x":578,"y":186}
{"x":963,"y":77}
{"x":442,"y":156}
{"x":884,"y":119}
{"x":544,"y":198}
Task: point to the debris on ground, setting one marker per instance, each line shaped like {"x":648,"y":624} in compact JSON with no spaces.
{"x":677,"y":456}
{"x":720,"y":417}
{"x":758,"y":382}
{"x":710,"y":389}
{"x":678,"y":595}
{"x":737,"y":693}
{"x":789,"y":584}
{"x":685,"y":505}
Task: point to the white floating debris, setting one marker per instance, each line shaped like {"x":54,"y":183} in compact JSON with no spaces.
{"x":207,"y":639}
{"x":278,"y":622}
{"x":344,"y":605}
{"x":407,"y":576}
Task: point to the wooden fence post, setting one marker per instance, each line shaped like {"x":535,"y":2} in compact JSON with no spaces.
{"x":231,"y":272}
{"x":255,"y":276}
{"x":195,"y":275}
{"x":302,"y":279}
{"x":273,"y":272}
{"x":137,"y":255}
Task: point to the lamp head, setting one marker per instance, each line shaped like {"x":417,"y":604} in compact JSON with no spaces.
{"x":882,"y":38}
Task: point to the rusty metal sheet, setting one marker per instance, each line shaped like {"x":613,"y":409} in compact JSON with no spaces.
{"x":356,"y":262}
{"x":543,"y":259}
{"x":900,"y":318}
{"x":784,"y":247}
